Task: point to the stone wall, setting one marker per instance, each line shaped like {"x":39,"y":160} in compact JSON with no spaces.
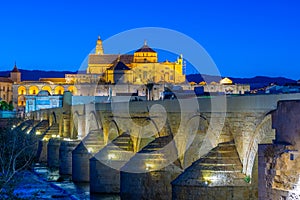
{"x":213,"y":193}
{"x":279,"y":163}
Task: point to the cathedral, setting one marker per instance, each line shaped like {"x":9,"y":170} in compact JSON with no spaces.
{"x":105,"y":74}
{"x":140,"y":68}
{"x":112,"y":75}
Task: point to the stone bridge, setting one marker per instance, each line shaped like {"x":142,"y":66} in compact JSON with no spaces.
{"x":173,"y":149}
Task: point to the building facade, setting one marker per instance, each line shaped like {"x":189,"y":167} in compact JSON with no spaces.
{"x":30,"y":89}
{"x":6,"y":85}
{"x":140,"y":68}
{"x":224,"y":86}
{"x":43,"y":100}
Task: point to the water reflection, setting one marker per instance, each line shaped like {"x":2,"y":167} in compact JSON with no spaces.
{"x":77,"y":190}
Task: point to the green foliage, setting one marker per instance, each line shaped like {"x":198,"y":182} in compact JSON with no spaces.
{"x":247,"y":179}
{"x":10,"y":106}
{"x":4,"y":106}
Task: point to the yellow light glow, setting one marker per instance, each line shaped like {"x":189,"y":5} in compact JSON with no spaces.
{"x":111,"y":156}
{"x":38,"y":133}
{"x":28,"y":132}
{"x":69,"y":139}
{"x":90,"y":150}
{"x":148,"y":166}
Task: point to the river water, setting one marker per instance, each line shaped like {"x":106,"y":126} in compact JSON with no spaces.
{"x":76,"y":190}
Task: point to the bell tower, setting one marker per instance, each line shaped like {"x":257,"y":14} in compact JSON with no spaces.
{"x":15,"y":74}
{"x":99,"y":47}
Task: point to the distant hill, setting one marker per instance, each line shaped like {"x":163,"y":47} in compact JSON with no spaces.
{"x":255,"y":82}
{"x":35,"y":75}
{"x":262,"y":81}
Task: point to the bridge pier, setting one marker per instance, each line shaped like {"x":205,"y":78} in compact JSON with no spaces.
{"x":148,"y":174}
{"x":82,"y":154}
{"x":65,"y":156}
{"x":42,"y":151}
{"x":106,"y":164}
{"x":53,"y":152}
{"x":217,"y":175}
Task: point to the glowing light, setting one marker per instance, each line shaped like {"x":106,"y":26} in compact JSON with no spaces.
{"x":38,"y":133}
{"x":208,"y":179}
{"x":14,"y":126}
{"x":90,"y":150}
{"x":28,"y":132}
{"x":111,"y":156}
{"x":53,"y":135}
{"x":148,"y":166}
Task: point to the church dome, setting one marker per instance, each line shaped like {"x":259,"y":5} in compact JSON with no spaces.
{"x":226,"y":81}
{"x":145,"y":48}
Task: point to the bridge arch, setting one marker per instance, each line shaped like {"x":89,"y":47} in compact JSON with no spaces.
{"x":196,"y":129}
{"x":113,"y":131}
{"x":78,"y":126}
{"x":148,"y":132}
{"x":93,"y":122}
{"x":262,"y":134}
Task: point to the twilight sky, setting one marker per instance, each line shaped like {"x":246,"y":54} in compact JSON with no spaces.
{"x":245,"y":38}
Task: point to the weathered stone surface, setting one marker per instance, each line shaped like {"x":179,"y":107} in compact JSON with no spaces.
{"x":42,"y":154}
{"x":219,"y":172}
{"x":65,"y":156}
{"x":81,"y":155}
{"x":106,"y":164}
{"x":246,"y":122}
{"x":279,"y":166}
{"x":148,"y":174}
{"x":43,"y":143}
{"x":53,"y":152}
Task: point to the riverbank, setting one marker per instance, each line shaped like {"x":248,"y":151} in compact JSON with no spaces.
{"x":46,"y":184}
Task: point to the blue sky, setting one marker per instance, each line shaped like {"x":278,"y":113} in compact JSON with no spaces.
{"x":245,"y":38}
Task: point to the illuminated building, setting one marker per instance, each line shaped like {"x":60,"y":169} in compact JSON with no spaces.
{"x":140,"y":68}
{"x":6,"y":84}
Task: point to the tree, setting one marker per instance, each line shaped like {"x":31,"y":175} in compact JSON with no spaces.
{"x":10,"y":106}
{"x":4,"y":105}
{"x":17,"y":153}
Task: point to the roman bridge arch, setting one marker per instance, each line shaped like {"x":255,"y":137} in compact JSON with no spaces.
{"x":93,"y":122}
{"x":264,"y":133}
{"x":196,"y":130}
{"x":113,"y":131}
{"x":147,"y":133}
